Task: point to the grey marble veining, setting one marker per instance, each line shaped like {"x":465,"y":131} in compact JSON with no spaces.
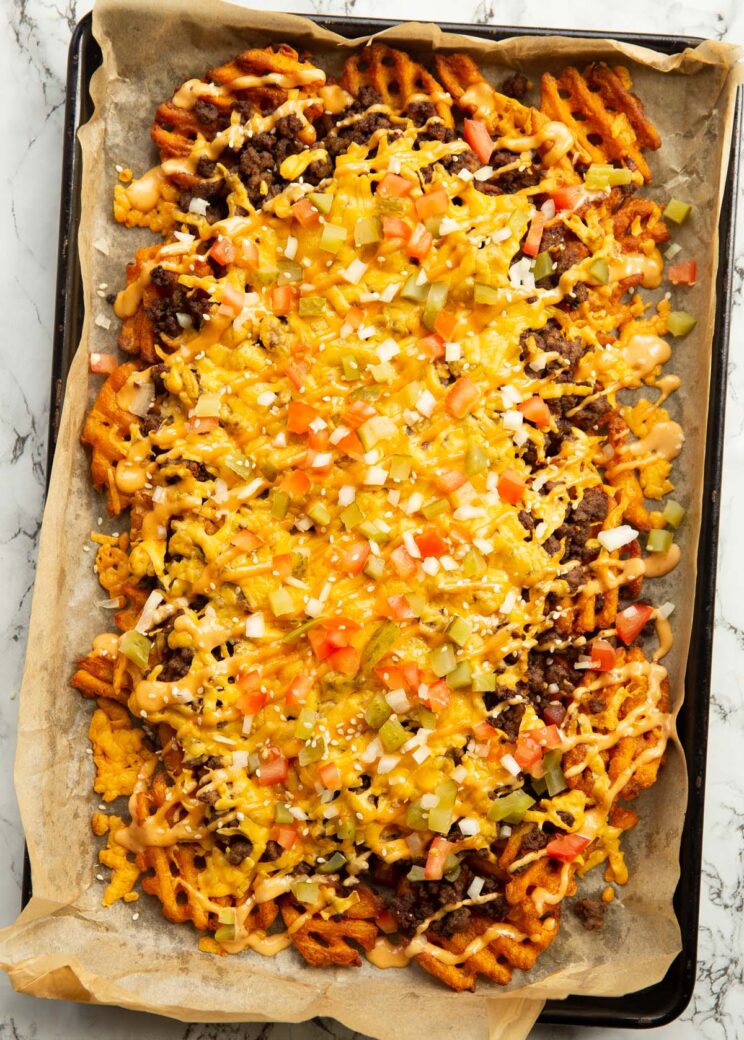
{"x":33,"y":43}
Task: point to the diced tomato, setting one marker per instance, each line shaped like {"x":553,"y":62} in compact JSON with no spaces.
{"x":445,"y":324}
{"x":439,"y":850}
{"x":528,"y":752}
{"x":251,"y":701}
{"x":394,"y":187}
{"x":232,"y":301}
{"x":476,"y":134}
{"x":247,"y":254}
{"x":297,"y":373}
{"x":296,"y":483}
{"x":630,"y":622}
{"x":438,"y":695}
{"x":462,"y":397}
{"x":332,"y":635}
{"x":247,"y":541}
{"x":282,"y":299}
{"x":394,"y":227}
{"x":357,"y":413}
{"x":318,"y":439}
{"x":433,"y":346}
{"x":535,"y":411}
{"x":282,"y":565}
{"x":386,"y":922}
{"x":400,"y":608}
{"x":603,"y":655}
{"x":554,"y":714}
{"x":337,"y":623}
{"x":545,"y":736}
{"x":449,"y":480}
{"x":483,"y":731}
{"x":684,"y":273}
{"x":299,"y":416}
{"x":419,"y":243}
{"x":102,"y":364}
{"x":531,"y":245}
{"x":351,"y":445}
{"x":568,"y":197}
{"x":511,"y":487}
{"x":354,"y":316}
{"x":318,"y":639}
{"x":311,"y":461}
{"x":405,"y":676}
{"x":223,"y":251}
{"x":305,"y":213}
{"x":298,"y":690}
{"x":354,"y":559}
{"x":431,"y":543}
{"x":567,"y":847}
{"x":403,"y":562}
{"x":273,"y":771}
{"x":431,"y":204}
{"x":345,"y":660}
{"x":285,"y":834}
{"x":202,"y":423}
{"x":330,"y":776}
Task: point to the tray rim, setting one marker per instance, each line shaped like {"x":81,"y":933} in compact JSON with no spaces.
{"x":574,"y":1009}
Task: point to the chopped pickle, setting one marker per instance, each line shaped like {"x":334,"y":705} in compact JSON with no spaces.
{"x":322,"y":201}
{"x":392,"y":735}
{"x":680,"y":323}
{"x":485,"y":294}
{"x":416,"y":873}
{"x":543,"y":266}
{"x":307,"y":892}
{"x":659,"y":540}
{"x":305,"y":724}
{"x":459,"y":631}
{"x":310,"y":306}
{"x":435,"y":301}
{"x":279,"y":504}
{"x":350,"y":368}
{"x":289,"y":271}
{"x":371,"y":530}
{"x":600,"y":176}
{"x":400,"y":467}
{"x":136,"y":647}
{"x":600,"y":271}
{"x":510,"y":808}
{"x":300,"y":630}
{"x":319,"y":513}
{"x":417,"y":818}
{"x":269,"y":470}
{"x":442,"y":660}
{"x":367,"y":231}
{"x":374,"y":567}
{"x":378,"y":428}
{"x":484,"y":682}
{"x":226,"y":915}
{"x":673,"y":513}
{"x":378,"y":712}
{"x":435,"y":508}
{"x":677,"y":211}
{"x":281,"y":602}
{"x":333,"y":864}
{"x":446,"y":792}
{"x":352,"y":516}
{"x":346,"y":828}
{"x":554,"y":779}
{"x":413,"y":291}
{"x":225,"y":933}
{"x":381,"y":641}
{"x":265,"y":276}
{"x":473,"y":566}
{"x":476,"y":459}
{"x":440,"y":819}
{"x":282,"y":813}
{"x":312,"y":752}
{"x":460,"y":676}
{"x":332,"y":237}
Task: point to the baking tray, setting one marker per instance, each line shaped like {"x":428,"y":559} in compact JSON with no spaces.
{"x":665,"y":1001}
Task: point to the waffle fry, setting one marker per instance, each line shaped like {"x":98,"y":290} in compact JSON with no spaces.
{"x":606,"y":119}
{"x":376,"y":690}
{"x":397,"y":79}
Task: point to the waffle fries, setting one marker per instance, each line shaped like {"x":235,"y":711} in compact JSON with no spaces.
{"x":379,"y":604}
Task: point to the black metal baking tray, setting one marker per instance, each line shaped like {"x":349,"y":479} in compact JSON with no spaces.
{"x":663,"y":1002}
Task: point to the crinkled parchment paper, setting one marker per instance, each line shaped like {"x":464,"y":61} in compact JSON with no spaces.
{"x":65,"y":944}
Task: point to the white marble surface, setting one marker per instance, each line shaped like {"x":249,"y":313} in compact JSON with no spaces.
{"x":34,"y":35}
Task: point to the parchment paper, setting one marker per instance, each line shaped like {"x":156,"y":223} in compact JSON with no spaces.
{"x":65,"y":944}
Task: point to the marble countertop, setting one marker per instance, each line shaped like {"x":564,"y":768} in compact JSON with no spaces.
{"x":34,"y":36}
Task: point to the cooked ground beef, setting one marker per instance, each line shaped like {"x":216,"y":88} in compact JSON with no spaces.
{"x":590,"y":912}
{"x":515,"y":86}
{"x":509,"y":719}
{"x":533,"y":840}
{"x":177,"y":664}
{"x":413,"y":903}
{"x":237,"y":850}
{"x":272,"y":851}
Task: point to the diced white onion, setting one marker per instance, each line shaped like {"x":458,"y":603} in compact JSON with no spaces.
{"x":145,"y":619}
{"x":511,"y":765}
{"x":452,"y":351}
{"x":255,"y":626}
{"x":346,"y":494}
{"x":476,"y":887}
{"x":469,"y":826}
{"x":387,"y":763}
{"x":290,"y":250}
{"x":512,"y":419}
{"x":428,"y":801}
{"x":240,"y":759}
{"x":426,"y":403}
{"x":398,"y":701}
{"x":665,"y":610}
{"x":387,"y":349}
{"x":617,"y":537}
{"x":372,"y":751}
